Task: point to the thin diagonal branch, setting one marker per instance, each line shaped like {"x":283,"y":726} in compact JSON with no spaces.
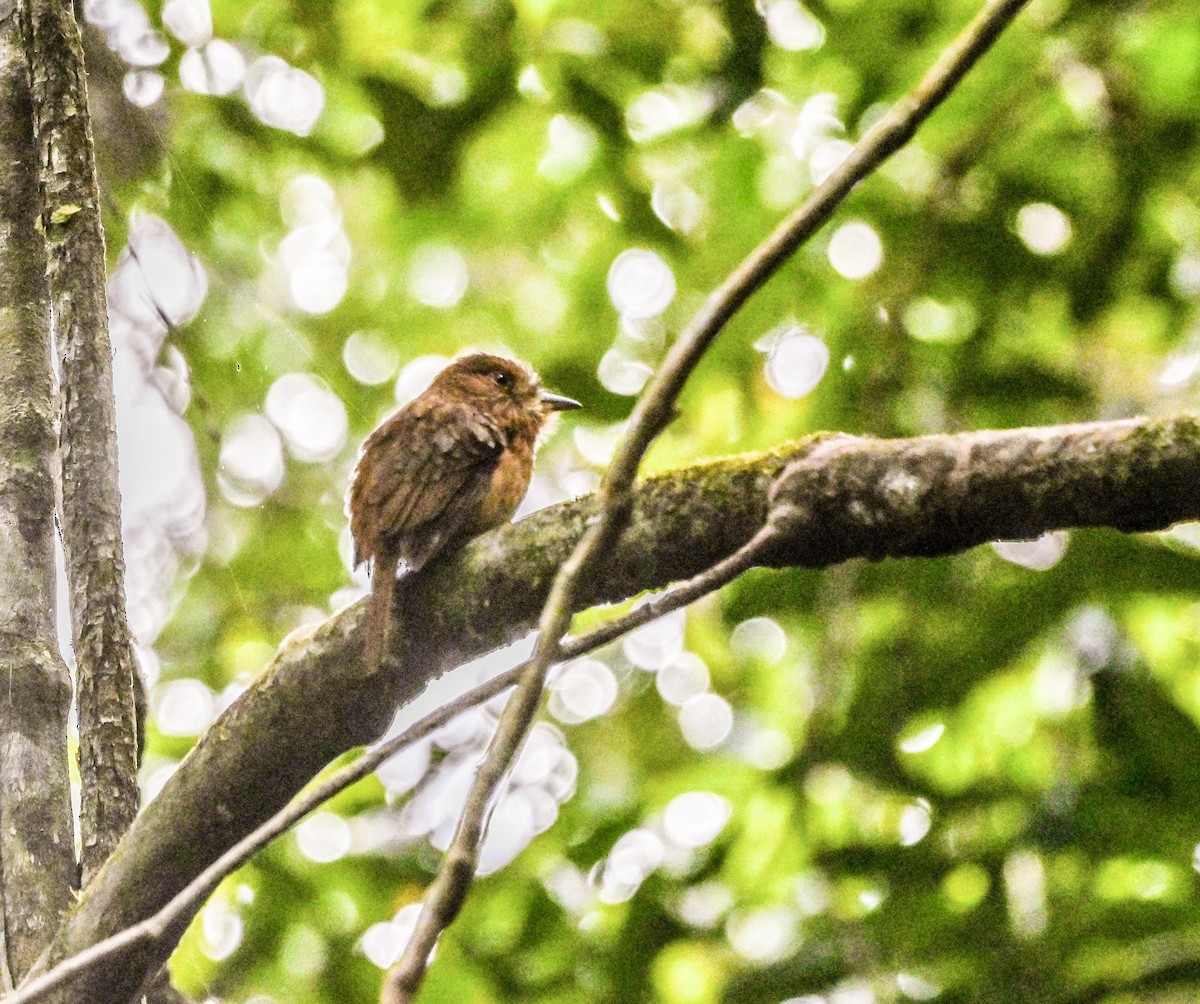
{"x":446,"y":895}
{"x":91,"y":502}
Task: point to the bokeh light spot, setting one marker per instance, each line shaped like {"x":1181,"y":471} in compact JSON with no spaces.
{"x":583,"y":689}
{"x":965,"y":887}
{"x":183,"y":707}
{"x":916,"y":988}
{"x":157,"y":455}
{"x":437,"y":276}
{"x":706,"y":721}
{"x":1043,"y":228}
{"x":760,"y":639}
{"x":678,"y":206}
{"x":792,"y":27}
{"x":143,"y":87}
{"x":929,"y":320}
{"x":370,"y":357}
{"x":915,"y":821}
{"x":640,"y":283}
{"x":315,"y":252}
{"x":796,"y":360}
{"x":311,"y":417}
{"x":923,"y":740}
{"x":634,"y":856}
{"x":657,"y":112}
{"x":382,"y":943}
{"x":404,"y":771}
{"x":251,"y":461}
{"x":571,"y":145}
{"x":217,"y":68}
{"x":702,"y":906}
{"x":190,"y":21}
{"x":619,"y":374}
{"x":758,"y":111}
{"x":681,"y":680}
{"x":1185,"y":274}
{"x":221,"y":931}
{"x":318,"y":282}
{"x":1039,"y":555}
{"x":657,"y":644}
{"x":157,"y":281}
{"x":763,"y":936}
{"x":282,"y":96}
{"x":323,"y":837}
{"x":695,"y":818}
{"x":855,"y":250}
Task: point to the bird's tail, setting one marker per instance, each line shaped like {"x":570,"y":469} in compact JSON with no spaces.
{"x":383,"y":583}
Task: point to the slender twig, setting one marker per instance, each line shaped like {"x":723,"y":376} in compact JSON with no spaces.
{"x":446,"y":895}
{"x":185,"y":902}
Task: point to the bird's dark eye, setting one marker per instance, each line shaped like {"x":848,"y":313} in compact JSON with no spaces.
{"x":501,"y":378}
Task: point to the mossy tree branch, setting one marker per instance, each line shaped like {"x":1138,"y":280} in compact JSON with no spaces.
{"x":848,"y":497}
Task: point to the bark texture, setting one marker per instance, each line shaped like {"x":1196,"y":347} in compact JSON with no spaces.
{"x":37,"y":849}
{"x":106,"y":675}
{"x":844,"y":497}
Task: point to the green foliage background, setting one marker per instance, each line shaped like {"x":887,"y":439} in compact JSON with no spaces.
{"x":1063,"y":815}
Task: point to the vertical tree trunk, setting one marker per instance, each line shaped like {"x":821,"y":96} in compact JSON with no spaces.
{"x":37,"y":848}
{"x":106,"y":674}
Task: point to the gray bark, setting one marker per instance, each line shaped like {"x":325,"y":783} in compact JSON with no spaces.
{"x":37,"y":850}
{"x":106,"y":673}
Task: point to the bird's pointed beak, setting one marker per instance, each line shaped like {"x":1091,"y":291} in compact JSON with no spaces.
{"x":556,"y":402}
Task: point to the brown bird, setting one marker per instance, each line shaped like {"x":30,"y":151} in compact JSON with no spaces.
{"x":448,"y":466}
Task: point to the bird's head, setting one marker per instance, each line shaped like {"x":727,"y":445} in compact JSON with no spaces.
{"x":500,"y":385}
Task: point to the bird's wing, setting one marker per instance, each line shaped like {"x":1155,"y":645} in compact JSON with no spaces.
{"x":422,"y":472}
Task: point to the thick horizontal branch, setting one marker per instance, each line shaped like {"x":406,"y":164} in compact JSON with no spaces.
{"x":846,"y":497}
{"x":936,"y":495}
